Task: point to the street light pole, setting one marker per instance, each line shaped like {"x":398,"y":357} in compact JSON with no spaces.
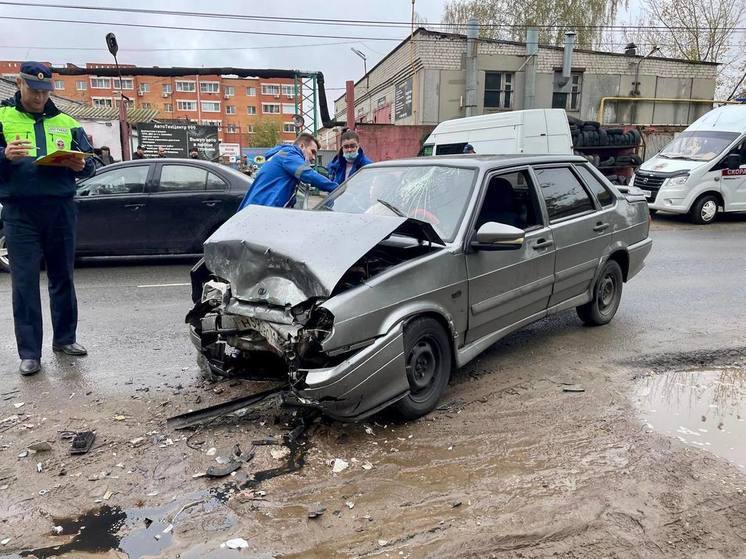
{"x":111,"y":43}
{"x":367,"y":78}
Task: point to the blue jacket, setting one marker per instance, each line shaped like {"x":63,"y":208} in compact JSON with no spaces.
{"x":338,"y":166}
{"x":276,"y":181}
{"x":22,"y":179}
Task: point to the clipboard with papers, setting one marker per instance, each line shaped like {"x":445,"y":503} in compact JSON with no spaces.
{"x":56,"y":158}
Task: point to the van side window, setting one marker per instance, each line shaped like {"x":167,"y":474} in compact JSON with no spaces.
{"x":739,"y":149}
{"x":510,"y":199}
{"x":450,"y":149}
{"x":563,"y":193}
{"x":603,"y":194}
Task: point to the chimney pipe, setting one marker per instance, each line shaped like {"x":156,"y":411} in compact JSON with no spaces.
{"x":350,"y":100}
{"x":567,"y":58}
{"x":472,"y":33}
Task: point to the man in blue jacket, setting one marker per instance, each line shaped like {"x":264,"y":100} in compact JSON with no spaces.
{"x":39,"y":213}
{"x":349,"y":159}
{"x":286,"y":166}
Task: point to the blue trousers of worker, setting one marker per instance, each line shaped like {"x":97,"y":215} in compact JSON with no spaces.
{"x":36,"y":228}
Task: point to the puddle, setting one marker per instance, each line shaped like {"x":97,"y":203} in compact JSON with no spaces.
{"x":148,"y":531}
{"x":703,"y":408}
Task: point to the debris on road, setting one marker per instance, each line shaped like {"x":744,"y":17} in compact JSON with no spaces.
{"x":280,"y":453}
{"x":339,"y":465}
{"x":236,"y":543}
{"x":137,"y":441}
{"x":5,"y":541}
{"x":19,"y":405}
{"x":40,"y":446}
{"x":367,"y":466}
{"x":316,"y":510}
{"x":212,"y":451}
{"x":82,"y":442}
{"x":222,"y":471}
{"x":573,"y":388}
{"x":120,"y":417}
{"x":39,"y":467}
{"x":57,"y":530}
{"x":350,"y":505}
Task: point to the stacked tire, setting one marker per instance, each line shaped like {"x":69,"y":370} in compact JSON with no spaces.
{"x":589,"y":133}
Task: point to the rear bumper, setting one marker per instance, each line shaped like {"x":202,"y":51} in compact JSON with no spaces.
{"x":637,"y":254}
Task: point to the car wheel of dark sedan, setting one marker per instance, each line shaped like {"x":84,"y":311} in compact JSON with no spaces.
{"x":607,"y":294}
{"x":427,"y":354}
{"x":4,"y":261}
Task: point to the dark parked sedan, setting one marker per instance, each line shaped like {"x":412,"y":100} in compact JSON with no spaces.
{"x":152,"y":207}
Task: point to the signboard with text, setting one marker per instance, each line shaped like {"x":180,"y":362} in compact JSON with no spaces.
{"x":403,"y":100}
{"x":177,"y":138}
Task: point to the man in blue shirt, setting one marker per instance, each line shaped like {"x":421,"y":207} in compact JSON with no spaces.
{"x":286,"y":166}
{"x":349,"y":159}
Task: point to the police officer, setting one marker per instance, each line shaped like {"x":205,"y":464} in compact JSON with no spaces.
{"x":39,"y":213}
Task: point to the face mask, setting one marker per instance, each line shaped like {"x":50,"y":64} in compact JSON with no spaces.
{"x":350,"y":156}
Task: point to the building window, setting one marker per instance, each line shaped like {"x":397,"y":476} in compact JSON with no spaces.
{"x":251,"y":110}
{"x":145,"y":87}
{"x":209,"y":87}
{"x":498,"y":90}
{"x":270,"y":89}
{"x":250,"y":128}
{"x":147,"y":106}
{"x":127,"y":83}
{"x":288,"y":90}
{"x":130,"y":103}
{"x":230,"y":109}
{"x":217,"y":123}
{"x":100,"y":83}
{"x":168,"y":107}
{"x":251,"y":91}
{"x":568,"y":96}
{"x":231,"y":129}
{"x":230,"y":90}
{"x":59,"y":84}
{"x":102,"y":102}
{"x":381,"y":102}
{"x":186,"y":87}
{"x":288,"y":127}
{"x":186,"y":106}
{"x":81,"y":85}
{"x":288,"y":109}
{"x":271,"y":108}
{"x":167,"y":89}
{"x":210,"y":107}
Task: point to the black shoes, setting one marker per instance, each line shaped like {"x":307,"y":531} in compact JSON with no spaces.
{"x":29,"y":367}
{"x":70,"y":349}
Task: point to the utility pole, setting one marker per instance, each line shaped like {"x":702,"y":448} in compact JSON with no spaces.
{"x":124,"y":131}
{"x":367,"y":79}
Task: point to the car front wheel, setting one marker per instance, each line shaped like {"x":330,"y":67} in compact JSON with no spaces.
{"x":607,"y":294}
{"x":427,"y":354}
{"x":4,"y":260}
{"x":704,"y":210}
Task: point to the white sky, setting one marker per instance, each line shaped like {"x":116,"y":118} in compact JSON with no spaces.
{"x":30,"y":40}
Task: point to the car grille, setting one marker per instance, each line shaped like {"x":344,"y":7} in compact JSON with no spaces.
{"x":652,"y":183}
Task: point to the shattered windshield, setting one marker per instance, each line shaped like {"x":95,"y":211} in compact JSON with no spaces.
{"x":437,"y":194}
{"x":698,"y":145}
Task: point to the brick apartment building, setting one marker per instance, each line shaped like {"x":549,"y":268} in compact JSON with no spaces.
{"x":235,"y":105}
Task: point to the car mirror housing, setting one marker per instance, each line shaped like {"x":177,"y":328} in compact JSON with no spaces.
{"x":733,"y":161}
{"x":498,"y":236}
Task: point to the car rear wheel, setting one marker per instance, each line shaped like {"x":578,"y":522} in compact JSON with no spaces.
{"x":607,"y":294}
{"x":4,"y":260}
{"x":704,"y":211}
{"x":427,"y":354}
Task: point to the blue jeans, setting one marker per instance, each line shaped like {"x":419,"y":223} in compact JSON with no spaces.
{"x":36,"y":228}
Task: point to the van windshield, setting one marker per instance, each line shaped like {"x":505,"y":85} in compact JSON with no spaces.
{"x":698,"y":145}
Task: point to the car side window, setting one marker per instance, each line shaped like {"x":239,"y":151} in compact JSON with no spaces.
{"x":563,"y":193}
{"x":450,"y":149}
{"x":125,"y":180}
{"x":603,"y":194}
{"x":510,"y":199}
{"x":182,"y":178}
{"x":739,"y":149}
{"x":214,"y":182}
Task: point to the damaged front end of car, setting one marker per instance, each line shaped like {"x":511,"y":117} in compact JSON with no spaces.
{"x":260,"y":297}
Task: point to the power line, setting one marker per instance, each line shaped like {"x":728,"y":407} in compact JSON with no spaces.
{"x":36,"y":47}
{"x":327,"y":21}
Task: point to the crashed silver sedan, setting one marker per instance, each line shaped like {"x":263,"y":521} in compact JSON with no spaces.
{"x":408,"y":270}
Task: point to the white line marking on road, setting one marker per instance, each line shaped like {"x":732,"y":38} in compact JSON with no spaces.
{"x":165,"y":285}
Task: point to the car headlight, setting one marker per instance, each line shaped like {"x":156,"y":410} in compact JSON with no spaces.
{"x":679,"y":180}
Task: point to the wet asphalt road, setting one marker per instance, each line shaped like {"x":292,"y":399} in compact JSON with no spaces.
{"x":689,"y":296}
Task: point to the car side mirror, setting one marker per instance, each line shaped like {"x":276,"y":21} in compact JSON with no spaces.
{"x":733,"y":161}
{"x":498,"y":236}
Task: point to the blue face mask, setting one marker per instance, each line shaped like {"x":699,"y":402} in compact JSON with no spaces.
{"x":350,"y":156}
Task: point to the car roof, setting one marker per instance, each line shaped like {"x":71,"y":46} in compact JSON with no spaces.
{"x":217,"y":167}
{"x":485,"y":161}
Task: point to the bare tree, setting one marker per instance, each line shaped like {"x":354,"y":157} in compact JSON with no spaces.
{"x":504,"y":19}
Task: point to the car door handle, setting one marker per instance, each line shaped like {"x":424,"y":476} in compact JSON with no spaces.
{"x":543,"y":243}
{"x":601,"y":226}
{"x":211,"y":203}
{"x":134,"y":207}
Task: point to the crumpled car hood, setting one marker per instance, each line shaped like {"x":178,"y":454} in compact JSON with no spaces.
{"x":284,"y":257}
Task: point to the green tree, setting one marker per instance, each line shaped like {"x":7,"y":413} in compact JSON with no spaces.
{"x":267,"y":133}
{"x":505,"y":19}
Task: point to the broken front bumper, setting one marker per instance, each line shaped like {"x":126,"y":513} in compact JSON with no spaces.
{"x":367,"y":381}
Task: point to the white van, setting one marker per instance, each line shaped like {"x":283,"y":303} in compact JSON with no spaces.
{"x":533,"y":131}
{"x":703,"y":170}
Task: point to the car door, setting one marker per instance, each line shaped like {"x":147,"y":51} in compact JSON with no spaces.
{"x":733,"y":181}
{"x":582,"y":231}
{"x":189,"y":202}
{"x":509,"y":287}
{"x":112,"y":211}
